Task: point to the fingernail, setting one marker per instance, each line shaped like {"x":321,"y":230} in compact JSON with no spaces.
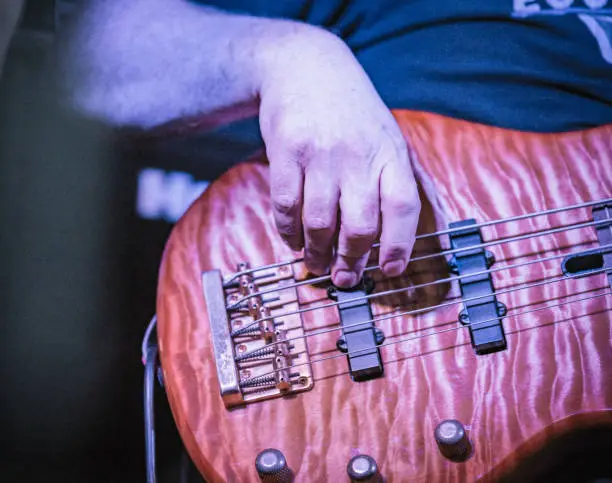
{"x":394,"y":268}
{"x":345,"y":279}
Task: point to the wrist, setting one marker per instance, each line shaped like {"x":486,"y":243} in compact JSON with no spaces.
{"x":288,"y":45}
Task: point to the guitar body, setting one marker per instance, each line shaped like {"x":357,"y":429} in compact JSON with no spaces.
{"x":555,"y":376}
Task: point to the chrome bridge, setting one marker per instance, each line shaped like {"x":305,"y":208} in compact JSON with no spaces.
{"x":258,"y":339}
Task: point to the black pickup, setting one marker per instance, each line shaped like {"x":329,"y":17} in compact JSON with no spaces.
{"x":360,"y":339}
{"x":482,"y":313}
{"x":601,"y":213}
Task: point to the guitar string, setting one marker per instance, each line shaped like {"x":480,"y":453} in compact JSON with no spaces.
{"x":396,"y":291}
{"x":606,"y":248}
{"x":547,"y":281}
{"x":510,"y":219}
{"x":452,"y":251}
{"x":421,"y":336}
{"x":237,"y":304}
{"x":441,"y":232}
{"x":492,"y":319}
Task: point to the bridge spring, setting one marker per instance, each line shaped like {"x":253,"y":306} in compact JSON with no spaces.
{"x":258,"y":381}
{"x":261,"y":352}
{"x":253,"y":330}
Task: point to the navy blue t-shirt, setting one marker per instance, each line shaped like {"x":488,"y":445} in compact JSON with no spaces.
{"x":537,"y":65}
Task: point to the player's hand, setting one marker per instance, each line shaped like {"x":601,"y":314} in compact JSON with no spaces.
{"x":340,"y":169}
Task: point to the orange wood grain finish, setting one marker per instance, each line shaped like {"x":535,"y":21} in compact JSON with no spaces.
{"x":558,"y":363}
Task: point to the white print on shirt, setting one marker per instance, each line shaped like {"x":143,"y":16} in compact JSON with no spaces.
{"x":595,"y":14}
{"x":601,"y":28}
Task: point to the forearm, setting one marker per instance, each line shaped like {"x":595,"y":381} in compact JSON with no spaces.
{"x":146,"y":62}
{"x":340,"y":173}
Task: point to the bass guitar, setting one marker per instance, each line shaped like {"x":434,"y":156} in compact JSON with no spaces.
{"x":493,"y":345}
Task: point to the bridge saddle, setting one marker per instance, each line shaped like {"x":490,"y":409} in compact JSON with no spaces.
{"x":260,"y":352}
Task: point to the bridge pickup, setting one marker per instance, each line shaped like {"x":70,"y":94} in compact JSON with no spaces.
{"x":482,"y":312}
{"x":603,"y":212}
{"x":360,"y":338}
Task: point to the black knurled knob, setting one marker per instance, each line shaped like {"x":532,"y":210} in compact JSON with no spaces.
{"x":452,"y":440}
{"x":363,"y":469}
{"x":272,"y":467}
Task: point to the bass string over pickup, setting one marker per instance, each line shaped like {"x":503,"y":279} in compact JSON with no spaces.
{"x":601,"y":213}
{"x":360,"y":340}
{"x":483,"y":313}
{"x":256,"y":344}
{"x":595,"y":260}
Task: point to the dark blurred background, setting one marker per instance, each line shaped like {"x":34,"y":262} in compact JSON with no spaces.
{"x":85,"y":215}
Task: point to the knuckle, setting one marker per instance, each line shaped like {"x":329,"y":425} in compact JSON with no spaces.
{"x":360,"y":233}
{"x":300,"y":148}
{"x":404,"y":206}
{"x":285,"y":204}
{"x":286,"y":230}
{"x":294,"y":140}
{"x":303,"y":143}
{"x":317,"y":223}
{"x":357,"y":145}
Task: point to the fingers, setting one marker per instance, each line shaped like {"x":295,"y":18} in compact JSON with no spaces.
{"x":319,"y":215}
{"x":359,"y":207}
{"x":400,"y":207}
{"x":391,"y":204}
{"x":364,"y":191}
{"x":286,"y":186}
{"x":305,"y":201}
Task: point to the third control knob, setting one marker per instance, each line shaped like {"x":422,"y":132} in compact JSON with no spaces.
{"x":363,"y":468}
{"x":452,"y":440}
